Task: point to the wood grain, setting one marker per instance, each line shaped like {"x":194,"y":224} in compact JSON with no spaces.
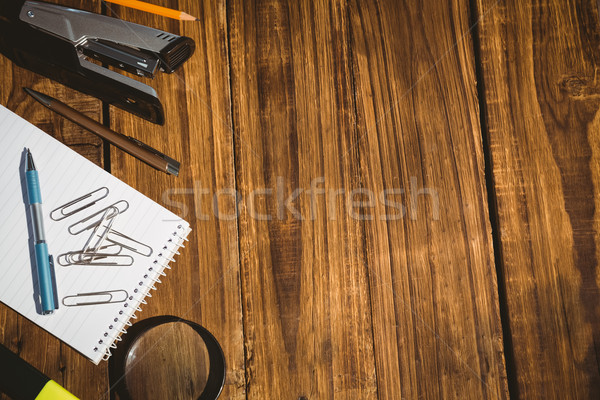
{"x":204,"y":284}
{"x":540,"y":63}
{"x":271,"y":144}
{"x":33,"y":344}
{"x":436,"y":321}
{"x":307,"y":321}
{"x":333,"y":172}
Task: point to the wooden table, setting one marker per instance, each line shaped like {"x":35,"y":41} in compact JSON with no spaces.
{"x":388,"y":199}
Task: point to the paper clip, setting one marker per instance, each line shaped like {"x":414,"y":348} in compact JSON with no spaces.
{"x":95,"y":298}
{"x":67,"y":259}
{"x":92,"y":246}
{"x":74,"y":206}
{"x":84,"y":224}
{"x":95,"y":259}
{"x":107,"y":249}
{"x":128,"y":243}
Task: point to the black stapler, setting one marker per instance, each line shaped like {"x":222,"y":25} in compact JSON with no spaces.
{"x":71,"y":46}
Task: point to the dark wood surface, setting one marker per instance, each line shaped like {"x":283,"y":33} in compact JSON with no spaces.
{"x":307,"y":315}
{"x":432,"y":272}
{"x":337,"y":158}
{"x":540,"y":65}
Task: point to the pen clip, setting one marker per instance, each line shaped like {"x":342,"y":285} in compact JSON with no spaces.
{"x":54,"y":288}
{"x":155,"y":152}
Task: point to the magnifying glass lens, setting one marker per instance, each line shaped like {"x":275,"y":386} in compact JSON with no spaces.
{"x":168,"y":361}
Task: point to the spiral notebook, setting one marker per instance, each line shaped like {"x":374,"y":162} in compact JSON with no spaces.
{"x":113,"y":258}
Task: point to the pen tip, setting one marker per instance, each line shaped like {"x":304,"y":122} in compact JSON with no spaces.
{"x":42,"y":98}
{"x":30,"y":165}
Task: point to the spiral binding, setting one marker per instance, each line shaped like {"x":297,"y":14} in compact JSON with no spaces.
{"x":138,"y":297}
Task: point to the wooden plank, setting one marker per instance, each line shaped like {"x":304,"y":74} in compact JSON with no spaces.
{"x":540,"y":80}
{"x":429,"y":248}
{"x":305,"y":292}
{"x":57,"y":360}
{"x":203,"y":285}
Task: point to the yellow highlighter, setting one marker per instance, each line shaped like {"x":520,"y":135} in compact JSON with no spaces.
{"x":20,"y":381}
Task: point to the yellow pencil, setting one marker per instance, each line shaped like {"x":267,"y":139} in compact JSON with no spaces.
{"x":154,"y":9}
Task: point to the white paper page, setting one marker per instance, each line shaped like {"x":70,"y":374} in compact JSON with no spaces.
{"x":64,"y":175}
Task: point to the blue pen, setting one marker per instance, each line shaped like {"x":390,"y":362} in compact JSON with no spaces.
{"x":42,"y":258}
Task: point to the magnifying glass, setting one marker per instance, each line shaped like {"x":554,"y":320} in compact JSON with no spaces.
{"x":167,"y":357}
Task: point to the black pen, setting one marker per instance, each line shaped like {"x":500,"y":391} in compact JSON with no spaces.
{"x":128,"y":144}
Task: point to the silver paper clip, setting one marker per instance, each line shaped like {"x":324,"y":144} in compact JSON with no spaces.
{"x":128,"y":243}
{"x":101,"y":230}
{"x":94,"y":298}
{"x":79,"y":204}
{"x":95,"y":259}
{"x":108,"y":255}
{"x":67,"y":259}
{"x":85,"y":224}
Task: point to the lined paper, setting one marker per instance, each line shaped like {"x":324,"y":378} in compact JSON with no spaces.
{"x":64,"y":175}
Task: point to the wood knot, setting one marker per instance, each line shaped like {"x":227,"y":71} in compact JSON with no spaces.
{"x":579,"y":86}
